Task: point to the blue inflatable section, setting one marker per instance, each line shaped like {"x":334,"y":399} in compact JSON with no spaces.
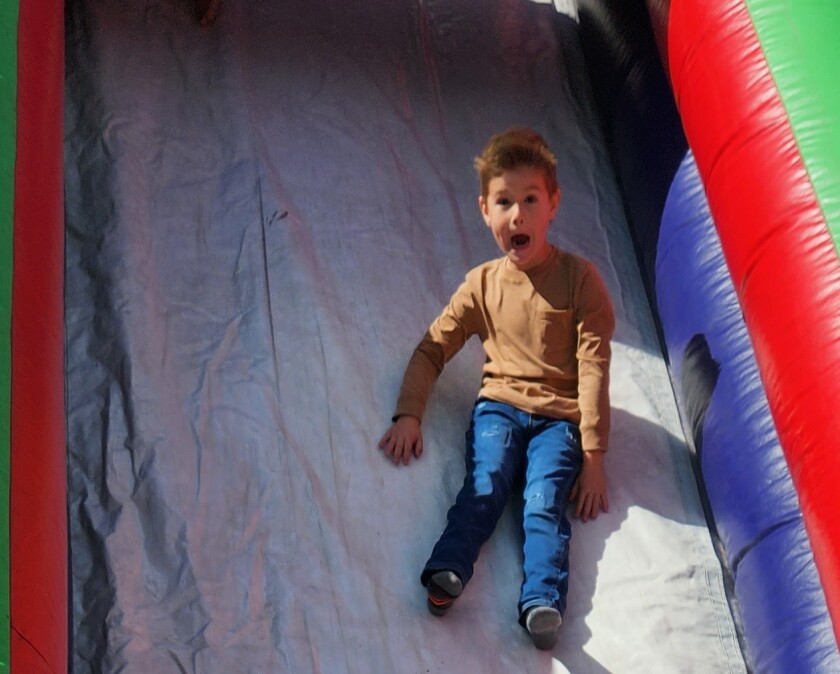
{"x":743,"y":470}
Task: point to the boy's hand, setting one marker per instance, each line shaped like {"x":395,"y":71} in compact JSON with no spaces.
{"x":590,"y":488}
{"x":403,"y":438}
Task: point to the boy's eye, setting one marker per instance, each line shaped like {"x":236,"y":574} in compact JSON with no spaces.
{"x":531,"y":199}
{"x":503,"y":201}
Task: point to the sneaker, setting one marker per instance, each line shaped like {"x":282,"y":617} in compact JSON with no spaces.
{"x":444,"y":588}
{"x":542,"y":623}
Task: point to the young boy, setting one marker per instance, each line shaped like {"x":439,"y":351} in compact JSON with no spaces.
{"x":545,"y":321}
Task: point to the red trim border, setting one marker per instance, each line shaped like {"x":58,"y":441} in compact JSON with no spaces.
{"x":38,"y":508}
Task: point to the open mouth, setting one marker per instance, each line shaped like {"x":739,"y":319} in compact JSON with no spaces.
{"x":519,"y":241}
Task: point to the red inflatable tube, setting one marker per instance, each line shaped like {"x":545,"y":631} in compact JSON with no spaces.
{"x":777,"y":245}
{"x":38,"y":511}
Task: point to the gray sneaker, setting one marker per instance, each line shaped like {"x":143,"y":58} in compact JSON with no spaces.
{"x":542,"y":623}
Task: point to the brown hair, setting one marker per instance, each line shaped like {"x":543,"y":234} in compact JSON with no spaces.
{"x":512,"y":149}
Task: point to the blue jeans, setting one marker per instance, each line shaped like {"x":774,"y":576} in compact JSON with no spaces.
{"x":504,"y":442}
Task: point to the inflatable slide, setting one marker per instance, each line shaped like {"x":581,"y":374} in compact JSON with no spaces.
{"x":225,"y":225}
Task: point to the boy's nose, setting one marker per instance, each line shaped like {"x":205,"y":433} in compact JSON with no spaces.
{"x":516,"y":216}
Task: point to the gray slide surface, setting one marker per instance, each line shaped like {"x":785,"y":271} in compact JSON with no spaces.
{"x":263,"y":216}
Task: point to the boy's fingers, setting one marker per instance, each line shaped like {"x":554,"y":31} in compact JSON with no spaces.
{"x":399,"y":448}
{"x":401,"y":451}
{"x":387,"y":441}
{"x":581,"y":502}
{"x":587,"y":507}
{"x":592,"y":505}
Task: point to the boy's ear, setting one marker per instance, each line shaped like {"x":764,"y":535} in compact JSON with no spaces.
{"x":556,"y":198}
{"x":482,"y":206}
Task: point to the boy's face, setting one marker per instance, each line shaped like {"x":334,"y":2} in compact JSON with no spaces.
{"x":518,"y":209}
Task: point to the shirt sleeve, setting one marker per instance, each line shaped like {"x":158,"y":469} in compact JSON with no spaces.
{"x":444,"y":338}
{"x":595,"y":327}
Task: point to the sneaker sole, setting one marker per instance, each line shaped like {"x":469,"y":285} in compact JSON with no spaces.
{"x":542,"y":625}
{"x":444,"y":588}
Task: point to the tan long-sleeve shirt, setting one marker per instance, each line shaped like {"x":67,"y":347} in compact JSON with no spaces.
{"x":546,"y":333}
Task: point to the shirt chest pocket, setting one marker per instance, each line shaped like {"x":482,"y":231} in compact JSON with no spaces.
{"x":558,"y":336}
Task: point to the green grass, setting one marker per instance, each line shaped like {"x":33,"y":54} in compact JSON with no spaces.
{"x":8,"y":91}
